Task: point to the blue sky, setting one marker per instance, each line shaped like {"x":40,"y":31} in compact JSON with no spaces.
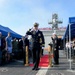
{"x":20,"y":15}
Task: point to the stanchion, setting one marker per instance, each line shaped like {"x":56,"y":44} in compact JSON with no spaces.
{"x":50,"y":60}
{"x":27,"y":64}
{"x":49,"y":49}
{"x":50,"y":56}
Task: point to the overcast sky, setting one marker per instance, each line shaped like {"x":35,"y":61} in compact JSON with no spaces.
{"x":20,"y":15}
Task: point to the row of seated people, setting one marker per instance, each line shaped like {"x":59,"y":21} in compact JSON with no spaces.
{"x":17,"y":51}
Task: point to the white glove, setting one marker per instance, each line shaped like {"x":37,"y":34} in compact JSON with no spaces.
{"x":43,"y":47}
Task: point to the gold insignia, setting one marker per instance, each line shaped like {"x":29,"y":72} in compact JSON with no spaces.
{"x":40,"y":40}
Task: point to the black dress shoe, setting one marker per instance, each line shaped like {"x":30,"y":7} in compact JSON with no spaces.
{"x":37,"y":69}
{"x":33,"y":68}
{"x":56,"y":63}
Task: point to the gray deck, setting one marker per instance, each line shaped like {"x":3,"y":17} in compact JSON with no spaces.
{"x":17,"y":68}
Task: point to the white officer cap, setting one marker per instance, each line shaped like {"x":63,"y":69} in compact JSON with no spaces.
{"x":54,"y":34}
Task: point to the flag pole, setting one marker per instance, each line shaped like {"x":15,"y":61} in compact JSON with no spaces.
{"x":70,"y":60}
